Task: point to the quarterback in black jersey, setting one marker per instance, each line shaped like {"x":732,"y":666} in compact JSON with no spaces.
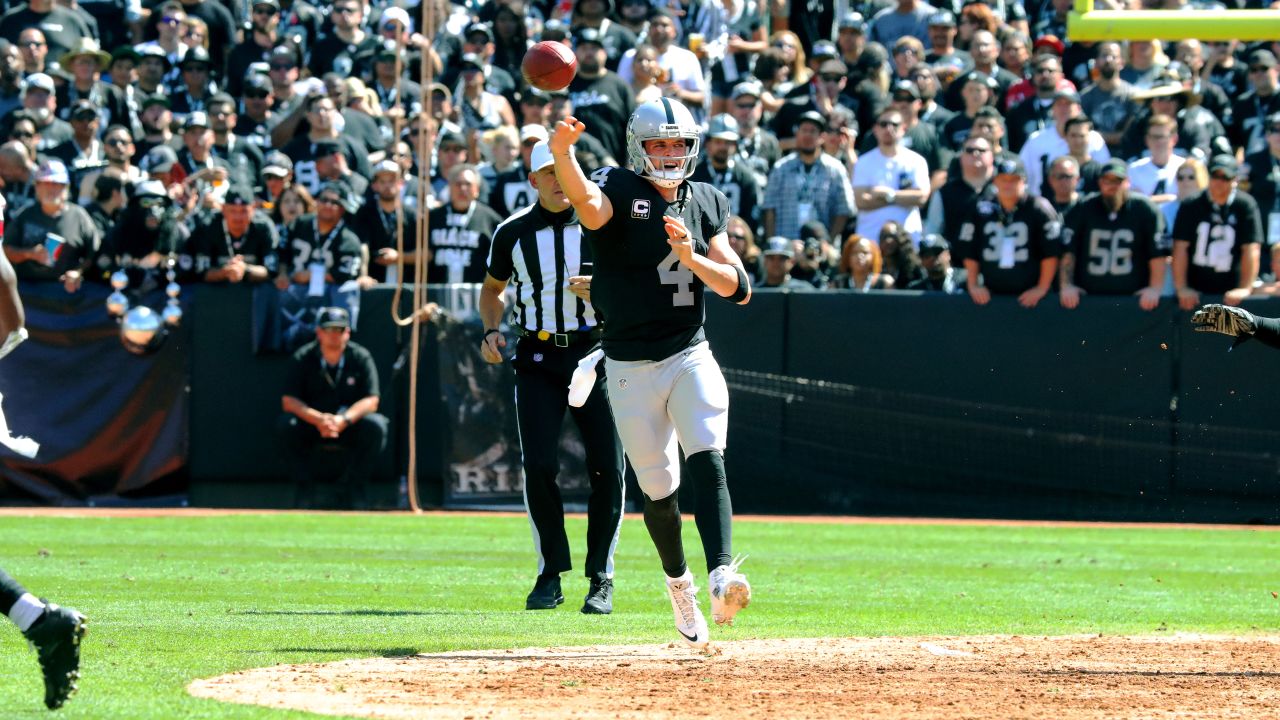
{"x":1115,"y":236}
{"x":658,"y":240}
{"x":1009,"y":240}
{"x":1215,"y":239}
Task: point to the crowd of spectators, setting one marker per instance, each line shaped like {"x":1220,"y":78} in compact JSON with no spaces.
{"x":950,"y":147}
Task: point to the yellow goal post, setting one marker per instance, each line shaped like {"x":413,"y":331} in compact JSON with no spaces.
{"x":1086,"y":24}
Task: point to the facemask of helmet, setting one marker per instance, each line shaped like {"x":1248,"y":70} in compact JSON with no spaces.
{"x":658,"y":120}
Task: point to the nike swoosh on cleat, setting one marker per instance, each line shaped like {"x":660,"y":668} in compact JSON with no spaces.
{"x":691,"y":638}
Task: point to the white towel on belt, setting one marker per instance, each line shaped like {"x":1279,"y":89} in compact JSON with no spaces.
{"x":584,"y":378}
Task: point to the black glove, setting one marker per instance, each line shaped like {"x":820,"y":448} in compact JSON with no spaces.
{"x":1236,"y":322}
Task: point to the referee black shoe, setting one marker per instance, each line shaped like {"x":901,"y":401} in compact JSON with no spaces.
{"x":546,"y":594}
{"x":599,"y":598}
{"x":56,"y":637}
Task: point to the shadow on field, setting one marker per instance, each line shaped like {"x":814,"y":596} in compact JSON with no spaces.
{"x":1167,"y":673}
{"x":355,"y":613}
{"x":384,"y":652}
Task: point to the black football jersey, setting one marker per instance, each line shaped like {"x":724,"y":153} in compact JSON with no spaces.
{"x":1009,"y":245}
{"x":210,"y":246}
{"x":1113,"y":250}
{"x":339,"y":249}
{"x":459,"y":243}
{"x":511,"y":191}
{"x":652,"y":305}
{"x":1216,"y":234}
{"x":739,"y":185}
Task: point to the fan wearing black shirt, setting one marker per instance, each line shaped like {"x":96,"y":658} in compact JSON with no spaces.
{"x":61,"y":26}
{"x":237,"y":245}
{"x":461,"y":231}
{"x":1250,"y":111}
{"x":1116,"y":237}
{"x":723,"y":172}
{"x":331,"y":398}
{"x":600,"y":98}
{"x":1009,"y":240}
{"x":376,"y":224}
{"x":323,"y":242}
{"x":1215,"y":239}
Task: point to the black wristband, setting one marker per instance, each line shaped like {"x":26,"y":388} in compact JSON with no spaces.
{"x":487,"y":333}
{"x":744,"y":286}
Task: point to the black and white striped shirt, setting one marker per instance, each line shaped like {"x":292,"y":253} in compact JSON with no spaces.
{"x":540,"y":250}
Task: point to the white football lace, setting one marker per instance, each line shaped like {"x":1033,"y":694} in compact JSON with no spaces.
{"x":685,"y":602}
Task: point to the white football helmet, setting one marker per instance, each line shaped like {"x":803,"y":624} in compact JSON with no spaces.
{"x":662,"y":119}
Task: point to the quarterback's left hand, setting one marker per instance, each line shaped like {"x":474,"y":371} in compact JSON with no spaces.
{"x":678,"y":238}
{"x":1233,"y":321}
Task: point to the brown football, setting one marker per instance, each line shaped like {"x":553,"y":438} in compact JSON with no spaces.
{"x":549,"y":66}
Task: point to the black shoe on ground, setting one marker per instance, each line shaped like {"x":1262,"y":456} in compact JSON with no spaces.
{"x":599,"y":599}
{"x":56,"y":638}
{"x":546,"y":594}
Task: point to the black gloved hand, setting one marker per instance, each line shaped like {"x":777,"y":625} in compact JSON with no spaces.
{"x":1227,"y":320}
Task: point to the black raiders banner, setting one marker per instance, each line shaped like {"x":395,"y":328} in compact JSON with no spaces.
{"x":481,"y":444}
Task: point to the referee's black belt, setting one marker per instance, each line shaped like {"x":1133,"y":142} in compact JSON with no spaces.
{"x":562,"y":340}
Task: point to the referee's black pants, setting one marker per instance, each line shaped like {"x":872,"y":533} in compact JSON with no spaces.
{"x":542,"y":396}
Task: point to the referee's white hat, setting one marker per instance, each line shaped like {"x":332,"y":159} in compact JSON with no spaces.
{"x":540,"y":157}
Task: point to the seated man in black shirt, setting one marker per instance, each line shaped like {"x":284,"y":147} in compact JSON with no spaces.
{"x":331,"y":402}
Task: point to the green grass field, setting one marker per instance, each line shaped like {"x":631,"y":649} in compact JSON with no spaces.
{"x":176,"y":598}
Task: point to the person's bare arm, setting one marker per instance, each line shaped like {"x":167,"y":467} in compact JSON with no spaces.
{"x":593,"y":206}
{"x":12,"y":317}
{"x":492,"y":305}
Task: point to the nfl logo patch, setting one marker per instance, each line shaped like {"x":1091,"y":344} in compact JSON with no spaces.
{"x":640,"y":209}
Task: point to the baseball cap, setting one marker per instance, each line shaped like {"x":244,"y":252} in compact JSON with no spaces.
{"x":746,"y":87}
{"x":933,"y":244}
{"x":778,"y":245}
{"x":278,"y":164}
{"x":196,"y":54}
{"x":814,"y":117}
{"x":1011,"y":166}
{"x":555,"y":31}
{"x":587,"y":35}
{"x":156,"y":99}
{"x":814,"y":230}
{"x":1115,"y":166}
{"x":257,"y":81}
{"x":238,"y":194}
{"x":1067,"y":95}
{"x":471,"y":60}
{"x":984,"y":79}
{"x":333,"y":317}
{"x":196,"y":119}
{"x":154,"y":51}
{"x":83,"y":108}
{"x":450,"y":137}
{"x":1262,"y":57}
{"x":273,"y":4}
{"x":398,"y":14}
{"x":834,"y":66}
{"x":852,"y":21}
{"x":540,"y":157}
{"x":158,"y":159}
{"x":943,"y":17}
{"x":723,"y":127}
{"x":150,"y":188}
{"x":1224,"y":164}
{"x":325,"y":148}
{"x":533,"y":132}
{"x":40,"y":81}
{"x":534,"y":96}
{"x":1049,"y":41}
{"x":343,"y":191}
{"x":387,"y":166}
{"x":905,"y":90}
{"x":825,"y":49}
{"x":475,"y":28}
{"x":53,"y":171}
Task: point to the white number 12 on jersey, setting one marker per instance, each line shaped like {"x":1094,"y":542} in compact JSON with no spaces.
{"x":671,"y":272}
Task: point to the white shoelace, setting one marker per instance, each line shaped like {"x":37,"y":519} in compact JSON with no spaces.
{"x":686,"y":601}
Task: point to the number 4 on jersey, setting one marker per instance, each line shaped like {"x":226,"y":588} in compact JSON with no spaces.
{"x":671,"y":272}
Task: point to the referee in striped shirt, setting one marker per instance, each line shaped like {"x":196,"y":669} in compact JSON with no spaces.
{"x":541,"y":248}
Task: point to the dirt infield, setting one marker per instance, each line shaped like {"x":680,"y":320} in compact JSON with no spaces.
{"x":1063,"y":678}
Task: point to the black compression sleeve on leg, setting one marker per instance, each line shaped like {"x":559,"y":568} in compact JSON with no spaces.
{"x":10,"y":591}
{"x":662,"y":518}
{"x":715,"y":512}
{"x":1268,"y":332}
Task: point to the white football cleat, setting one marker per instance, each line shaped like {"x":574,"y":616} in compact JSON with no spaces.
{"x":730,"y":591}
{"x":690,"y":623}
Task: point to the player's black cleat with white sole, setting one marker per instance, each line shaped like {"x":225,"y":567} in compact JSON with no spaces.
{"x":545,"y":595}
{"x":56,"y":638}
{"x":599,"y":599}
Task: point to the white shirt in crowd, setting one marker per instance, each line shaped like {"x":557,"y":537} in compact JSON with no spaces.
{"x":1046,"y":145}
{"x":1145,"y":176}
{"x":904,"y":171}
{"x":683,"y":68}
